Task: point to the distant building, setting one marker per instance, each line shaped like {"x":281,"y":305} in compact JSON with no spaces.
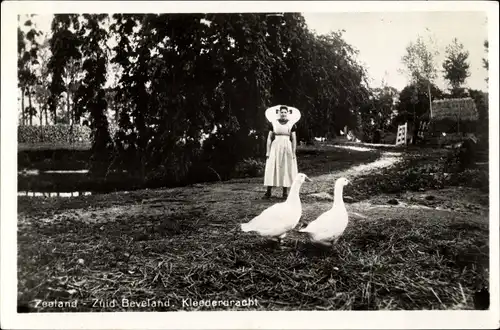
{"x":452,"y":119}
{"x":462,"y":109}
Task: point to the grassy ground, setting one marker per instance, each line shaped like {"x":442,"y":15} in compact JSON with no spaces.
{"x":430,"y":251}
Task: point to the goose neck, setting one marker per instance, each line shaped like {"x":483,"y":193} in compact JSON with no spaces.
{"x":294,"y":192}
{"x":338,"y":198}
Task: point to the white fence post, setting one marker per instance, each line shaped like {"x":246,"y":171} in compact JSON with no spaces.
{"x":401,"y":136}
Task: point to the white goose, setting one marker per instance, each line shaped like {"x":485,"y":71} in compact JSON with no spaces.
{"x":280,"y":218}
{"x":330,"y":225}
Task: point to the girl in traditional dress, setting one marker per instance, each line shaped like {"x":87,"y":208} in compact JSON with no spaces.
{"x":281,"y":163}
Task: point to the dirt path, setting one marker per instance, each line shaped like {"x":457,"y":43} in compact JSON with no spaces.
{"x":320,"y":182}
{"x":325,"y":182}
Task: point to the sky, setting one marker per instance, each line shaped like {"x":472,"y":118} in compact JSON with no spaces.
{"x":381,"y":39}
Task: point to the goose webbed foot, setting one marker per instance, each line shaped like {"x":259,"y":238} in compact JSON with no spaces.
{"x":270,"y":242}
{"x":274,"y":240}
{"x":335,"y":245}
{"x":277,"y":242}
{"x":279,"y":239}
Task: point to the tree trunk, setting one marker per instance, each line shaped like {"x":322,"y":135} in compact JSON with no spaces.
{"x":40,"y":115}
{"x":42,"y":108}
{"x":68,"y":109}
{"x":143,"y":167}
{"x":430,"y":100}
{"x":55,"y":113}
{"x":22,"y":106}
{"x":73,"y":111}
{"x":69,"y":116}
{"x":117,"y":115}
{"x":30,"y":107}
{"x":413,"y":139}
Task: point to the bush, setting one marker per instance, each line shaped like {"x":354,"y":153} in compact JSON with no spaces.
{"x":249,"y":167}
{"x":462,"y":158}
{"x":222,"y":152}
{"x":53,"y":134}
{"x":60,"y":133}
{"x":388,"y":138}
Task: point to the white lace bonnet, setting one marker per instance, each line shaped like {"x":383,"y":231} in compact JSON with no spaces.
{"x":273,"y":113}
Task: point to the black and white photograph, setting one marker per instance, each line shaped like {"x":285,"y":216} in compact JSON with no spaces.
{"x":241,"y":157}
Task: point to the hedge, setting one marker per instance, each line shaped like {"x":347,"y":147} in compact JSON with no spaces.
{"x":60,"y":133}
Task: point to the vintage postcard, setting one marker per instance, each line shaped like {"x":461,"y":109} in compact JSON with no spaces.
{"x":249,"y":165}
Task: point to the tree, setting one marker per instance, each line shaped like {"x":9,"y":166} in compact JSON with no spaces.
{"x":90,"y":96}
{"x":323,"y":79}
{"x":183,"y":76}
{"x":42,"y":91}
{"x":179,"y":77}
{"x":114,"y":72}
{"x":377,"y":112}
{"x":419,"y":65}
{"x":456,"y":66}
{"x":419,"y":61}
{"x":71,"y":78}
{"x":27,"y":48}
{"x":64,"y":45}
{"x":485,"y":60}
{"x":413,"y":106}
{"x":482,"y":105}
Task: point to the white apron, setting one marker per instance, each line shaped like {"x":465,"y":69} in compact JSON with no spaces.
{"x":281,"y":166}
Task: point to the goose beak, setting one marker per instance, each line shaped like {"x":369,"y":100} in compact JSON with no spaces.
{"x":308,"y":179}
